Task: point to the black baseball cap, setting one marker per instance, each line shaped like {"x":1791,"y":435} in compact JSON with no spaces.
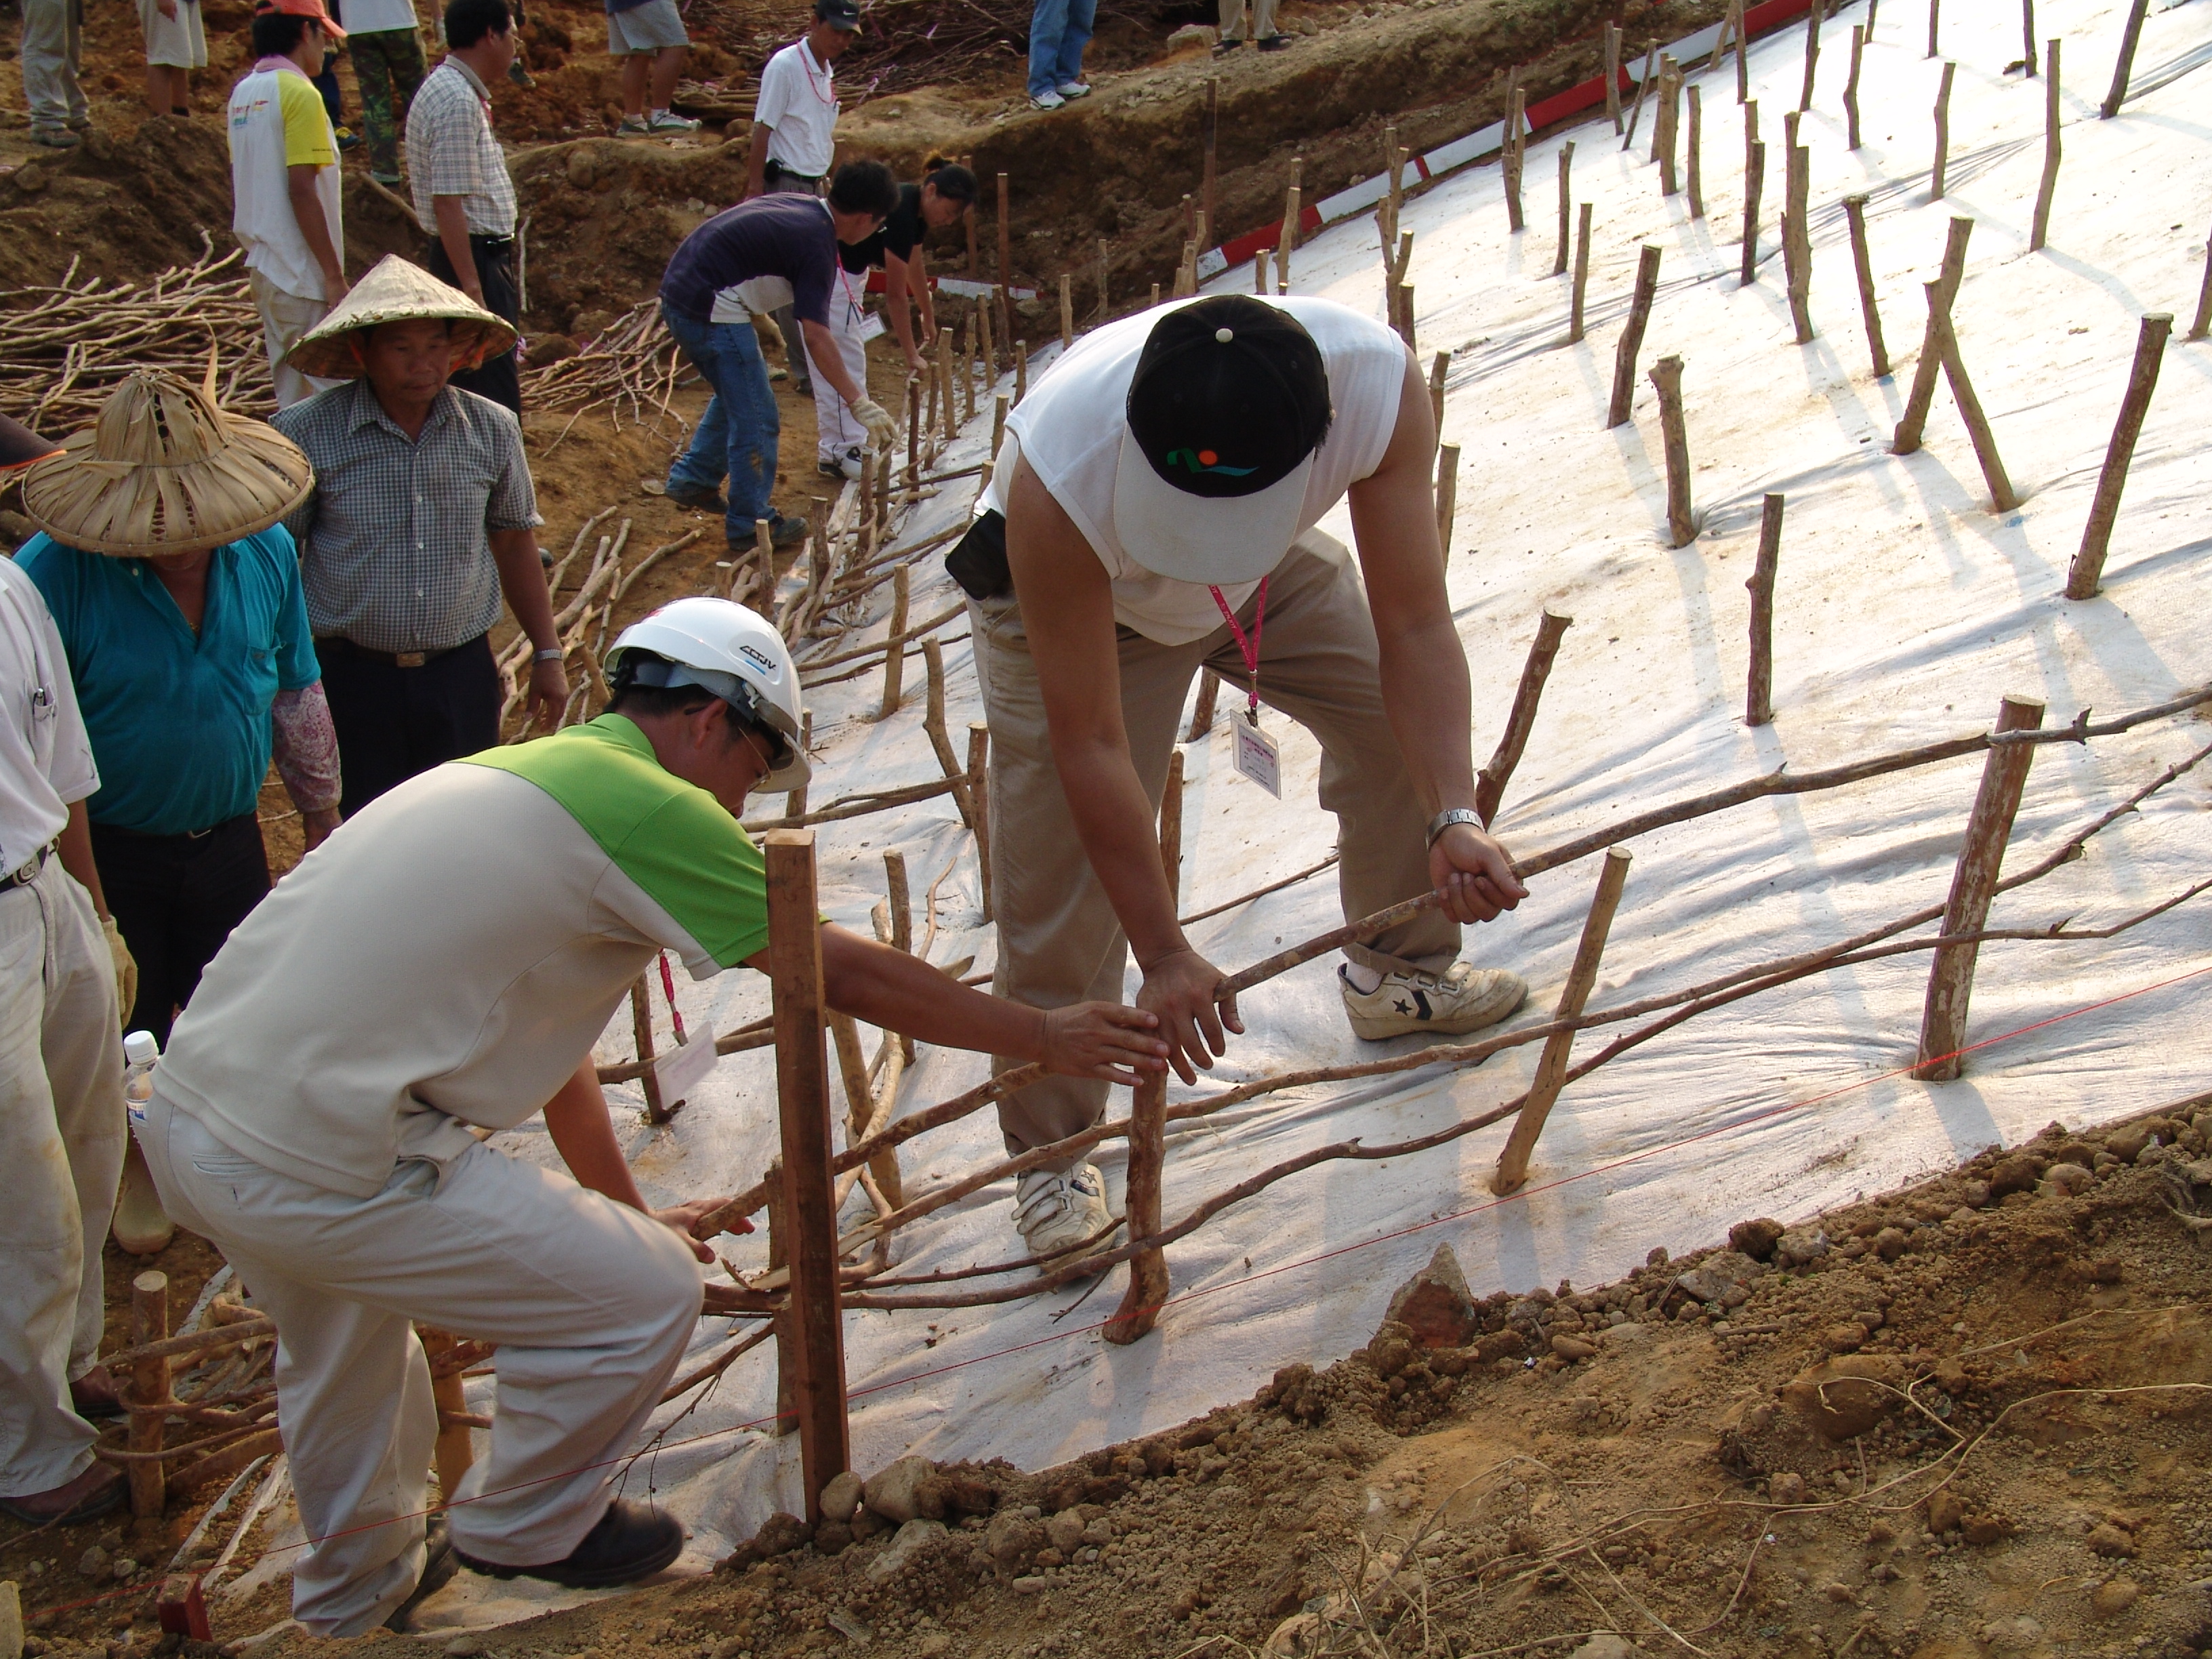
{"x":1229,"y":401}
{"x":838,"y":14}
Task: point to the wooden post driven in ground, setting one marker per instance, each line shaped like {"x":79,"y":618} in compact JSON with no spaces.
{"x":1914,"y":421}
{"x":1755,"y":176}
{"x":802,"y":1088}
{"x":2125,"y":64}
{"x":900,"y":903}
{"x":1005,"y":256}
{"x":913,"y":438}
{"x":1666,"y":125}
{"x":1288,"y":238}
{"x":1552,"y":1068}
{"x":895,"y":655}
{"x":1852,"y":88}
{"x":1447,"y":497}
{"x":2088,"y":566}
{"x":1935,"y":24}
{"x":2002,"y":497}
{"x":2027,"y":35}
{"x":940,"y":737}
{"x":1632,"y":336}
{"x":1613,"y":74}
{"x":2044,"y":192}
{"x":1694,"y":162}
{"x":1863,"y":261}
{"x":979,"y":795}
{"x":1566,"y":206}
{"x":1666,"y":381}
{"x":1105,"y":309}
{"x":1148,"y":1269}
{"x":1438,"y":369}
{"x":1643,"y":86}
{"x":1973,"y":883}
{"x":1796,"y":238}
{"x":1759,"y":695}
{"x":1943,"y":133}
{"x":2201,"y":324}
{"x":1811,"y":54}
{"x":1490,"y":783}
{"x":1067,"y":310}
{"x":1582,"y":275}
{"x":453,"y":1455}
{"x":1514,"y":153}
{"x":641,"y":1027}
{"x":1172,"y":825}
{"x":148,"y":1386}
{"x":1201,"y":713}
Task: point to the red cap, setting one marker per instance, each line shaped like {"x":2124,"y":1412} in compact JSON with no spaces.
{"x":304,"y":8}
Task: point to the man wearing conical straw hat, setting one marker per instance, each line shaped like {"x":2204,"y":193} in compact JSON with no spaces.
{"x":61,"y":1075}
{"x":421,"y":519}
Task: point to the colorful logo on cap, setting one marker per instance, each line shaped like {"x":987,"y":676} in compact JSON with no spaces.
{"x":1205,"y":460}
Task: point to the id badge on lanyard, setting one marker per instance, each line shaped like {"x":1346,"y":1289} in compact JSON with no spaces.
{"x":1252,"y":751}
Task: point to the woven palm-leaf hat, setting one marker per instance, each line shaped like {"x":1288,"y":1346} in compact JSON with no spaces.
{"x":164,"y":469}
{"x":396,"y":291}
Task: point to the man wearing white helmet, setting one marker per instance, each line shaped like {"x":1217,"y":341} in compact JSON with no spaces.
{"x":1153,"y":512}
{"x":312,"y":1115}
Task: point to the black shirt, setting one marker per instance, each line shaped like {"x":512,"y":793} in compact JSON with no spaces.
{"x":785,"y":235}
{"x":900,"y":234}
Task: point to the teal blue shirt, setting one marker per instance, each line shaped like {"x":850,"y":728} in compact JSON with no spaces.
{"x":180,"y":723}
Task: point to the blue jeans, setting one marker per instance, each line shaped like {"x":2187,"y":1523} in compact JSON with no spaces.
{"x":1059,"y":31}
{"x":736,"y":437}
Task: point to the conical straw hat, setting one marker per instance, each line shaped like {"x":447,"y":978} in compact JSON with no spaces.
{"x":164,"y":469}
{"x":396,"y":291}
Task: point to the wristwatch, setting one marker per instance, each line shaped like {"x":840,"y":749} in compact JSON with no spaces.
{"x":550,"y":653}
{"x":1445,"y":819}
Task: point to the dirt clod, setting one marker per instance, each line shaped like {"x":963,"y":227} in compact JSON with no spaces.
{"x":2111,"y":1541}
{"x":2114,"y":1597}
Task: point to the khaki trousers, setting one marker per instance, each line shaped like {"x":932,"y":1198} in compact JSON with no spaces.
{"x":284,"y":318}
{"x":1232,"y":20}
{"x":61,"y":1137}
{"x":1058,"y":940}
{"x":590,"y":1302}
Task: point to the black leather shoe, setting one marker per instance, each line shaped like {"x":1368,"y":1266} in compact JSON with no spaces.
{"x":439,"y":1567}
{"x":631,"y":1542}
{"x":706,"y":500}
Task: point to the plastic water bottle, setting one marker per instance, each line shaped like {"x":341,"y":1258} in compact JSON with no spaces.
{"x":141,"y":1051}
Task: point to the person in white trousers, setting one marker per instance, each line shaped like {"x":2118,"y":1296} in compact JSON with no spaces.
{"x":61,"y":1074}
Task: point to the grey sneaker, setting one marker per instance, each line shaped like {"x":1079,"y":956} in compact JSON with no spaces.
{"x":634,"y":127}
{"x":1075,"y":88}
{"x":1462,"y":998}
{"x":56,"y":137}
{"x":668,"y":121}
{"x":1058,"y":1212}
{"x":1046,"y":99}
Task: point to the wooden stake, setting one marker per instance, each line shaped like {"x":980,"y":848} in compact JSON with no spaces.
{"x":453,"y":1455}
{"x":1021,"y":372}
{"x":1759,"y":695}
{"x":1613,"y":74}
{"x":1582,"y":274}
{"x":149,"y":1386}
{"x":1863,"y":260}
{"x":802,"y":1088}
{"x":1148,"y":1269}
{"x":1796,"y":238}
{"x":1515,"y":105}
{"x":2027,"y":36}
{"x":1067,"y":310}
{"x":763,"y":598}
{"x":940,"y":739}
{"x":1201,"y":714}
{"x":1973,"y":884}
{"x":1566,"y":203}
{"x":2049,"y":188}
{"x":1632,"y":336}
{"x":1666,"y":381}
{"x":1436,"y":371}
{"x":986,"y":345}
{"x":2202,"y":324}
{"x":895,"y":656}
{"x":1970,"y":407}
{"x":932,"y":372}
{"x":1755,"y":175}
{"x":2125,"y":64}
{"x":1943,"y":133}
{"x":1260,"y":270}
{"x":899,"y":898}
{"x":1914,"y":421}
{"x":1852,"y":88}
{"x":1742,"y":60}
{"x":1811,"y":54}
{"x":1206,"y":139}
{"x":975,"y":260}
{"x":1694,"y":173}
{"x":2088,"y":566}
{"x":979,"y":794}
{"x":1006,"y":240}
{"x":794,"y":802}
{"x":1406,"y":318}
{"x":1289,"y":237}
{"x":1934,"y":19}
{"x":1447,"y":494}
{"x":1155,"y":301}
{"x":1104,"y":307}
{"x":1643,"y":86}
{"x":1490,"y":783}
{"x":1551,"y":1069}
{"x":999,"y":404}
{"x":641,"y":1027}
{"x":1172,"y":825}
{"x":1666,"y":125}
{"x":913,"y":438}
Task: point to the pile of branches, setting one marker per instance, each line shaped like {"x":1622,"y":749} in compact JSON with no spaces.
{"x":632,"y":366}
{"x":65,"y":349}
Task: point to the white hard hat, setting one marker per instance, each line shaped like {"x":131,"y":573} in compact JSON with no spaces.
{"x":722,"y":648}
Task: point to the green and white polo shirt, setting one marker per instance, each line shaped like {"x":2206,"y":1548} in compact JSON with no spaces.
{"x":449,"y":956}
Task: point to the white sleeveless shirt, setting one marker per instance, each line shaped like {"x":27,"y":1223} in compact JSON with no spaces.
{"x":1069,"y":431}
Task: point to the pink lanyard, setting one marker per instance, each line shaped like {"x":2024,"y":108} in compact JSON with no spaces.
{"x":828,"y":74}
{"x":1249,"y":647}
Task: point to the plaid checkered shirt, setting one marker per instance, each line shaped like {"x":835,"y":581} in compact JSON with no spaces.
{"x":394,"y":547}
{"x":451,"y":152}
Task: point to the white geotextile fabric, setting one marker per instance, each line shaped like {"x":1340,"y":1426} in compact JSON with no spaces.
{"x":1905,"y":610}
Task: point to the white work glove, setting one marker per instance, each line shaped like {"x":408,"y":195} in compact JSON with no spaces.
{"x":874,"y":416}
{"x":126,"y":968}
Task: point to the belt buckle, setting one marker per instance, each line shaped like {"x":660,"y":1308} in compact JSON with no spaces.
{"x":407,"y":658}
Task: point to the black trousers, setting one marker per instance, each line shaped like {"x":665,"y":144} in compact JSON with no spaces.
{"x":176,"y":898}
{"x":499,"y":377}
{"x":393,"y":722}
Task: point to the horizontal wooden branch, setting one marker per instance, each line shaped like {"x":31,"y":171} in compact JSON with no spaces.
{"x":223,"y":1336}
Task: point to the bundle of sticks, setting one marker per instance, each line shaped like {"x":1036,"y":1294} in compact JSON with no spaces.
{"x":633,"y":365}
{"x":64,"y":349}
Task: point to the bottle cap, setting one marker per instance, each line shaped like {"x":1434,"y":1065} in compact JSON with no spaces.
{"x":139,"y":1047}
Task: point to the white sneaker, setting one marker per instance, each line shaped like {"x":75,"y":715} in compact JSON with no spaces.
{"x":1057,"y":1213}
{"x":664,"y":122}
{"x":1463,"y":999}
{"x":1074,"y":89}
{"x":839,"y":463}
{"x":1045,"y":100}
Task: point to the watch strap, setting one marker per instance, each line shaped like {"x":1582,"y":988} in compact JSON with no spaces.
{"x":1450,"y":816}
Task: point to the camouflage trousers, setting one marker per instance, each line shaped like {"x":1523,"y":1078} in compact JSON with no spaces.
{"x":388,"y":65}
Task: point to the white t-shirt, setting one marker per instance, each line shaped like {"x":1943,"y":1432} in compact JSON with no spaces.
{"x":379,"y":16}
{"x":277,"y":121}
{"x":798,"y":105}
{"x":45,"y":758}
{"x":1069,"y":430}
